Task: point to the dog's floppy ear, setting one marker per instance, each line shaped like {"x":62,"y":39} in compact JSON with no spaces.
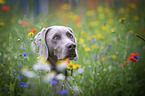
{"x":40,"y":42}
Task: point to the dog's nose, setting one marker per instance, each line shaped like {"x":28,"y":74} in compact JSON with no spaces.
{"x":71,"y":47}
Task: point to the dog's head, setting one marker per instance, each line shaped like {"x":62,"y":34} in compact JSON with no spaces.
{"x":59,"y":41}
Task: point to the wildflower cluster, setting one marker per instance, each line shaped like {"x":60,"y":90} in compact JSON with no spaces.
{"x":134,"y":57}
{"x":73,"y":66}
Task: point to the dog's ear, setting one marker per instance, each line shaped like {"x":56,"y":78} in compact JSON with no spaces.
{"x":40,"y":43}
{"x":70,"y":29}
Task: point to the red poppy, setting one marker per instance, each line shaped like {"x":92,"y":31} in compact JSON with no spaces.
{"x":127,"y":62}
{"x":123,"y":65}
{"x":132,"y":59}
{"x":24,"y":24}
{"x":133,"y":54}
{"x":34,"y":30}
{"x":5,"y":8}
{"x":29,"y":29}
{"x":67,"y":60}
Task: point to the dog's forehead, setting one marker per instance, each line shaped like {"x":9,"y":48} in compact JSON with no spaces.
{"x":58,"y":30}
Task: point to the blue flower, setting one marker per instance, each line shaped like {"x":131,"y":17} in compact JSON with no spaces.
{"x":93,"y":40}
{"x":136,"y":57}
{"x":94,"y":56}
{"x":64,"y":92}
{"x":21,"y":66}
{"x":90,"y":69}
{"x":24,"y":86}
{"x":21,"y":83}
{"x":20,"y":77}
{"x":54,"y":82}
{"x":21,"y":86}
{"x":29,"y":53}
{"x":24,"y":54}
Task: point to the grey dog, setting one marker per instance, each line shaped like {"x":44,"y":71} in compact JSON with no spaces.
{"x":56,"y":43}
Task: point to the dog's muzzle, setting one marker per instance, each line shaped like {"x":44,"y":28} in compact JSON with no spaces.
{"x":71,"y":51}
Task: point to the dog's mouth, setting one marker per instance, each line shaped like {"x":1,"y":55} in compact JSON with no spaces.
{"x":71,"y":56}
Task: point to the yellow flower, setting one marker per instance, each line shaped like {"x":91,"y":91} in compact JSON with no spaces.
{"x":112,"y":29}
{"x":100,"y":8}
{"x":65,"y":6}
{"x":122,"y":19}
{"x":110,"y":20}
{"x":74,"y":66}
{"x":78,"y":66}
{"x":133,"y":6}
{"x":131,"y":31}
{"x":90,"y":12}
{"x":114,"y":56}
{"x":71,"y":66}
{"x":121,"y":10}
{"x":7,"y":72}
{"x":104,"y":28}
{"x":105,"y":69}
{"x":94,"y":36}
{"x":101,"y":16}
{"x":2,"y":2}
{"x":70,"y":14}
{"x":87,"y":49}
{"x":94,"y":47}
{"x":2,"y":64}
{"x":106,"y":10}
{"x":81,"y":40}
{"x":83,"y":32}
{"x":94,"y":23}
{"x":99,"y":36}
{"x":136,"y":18}
{"x":84,"y":45}
{"x":76,"y":18}
{"x":89,"y":38}
{"x":2,"y":24}
{"x":30,"y":34}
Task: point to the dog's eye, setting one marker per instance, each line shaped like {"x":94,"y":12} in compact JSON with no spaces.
{"x":69,"y":35}
{"x":56,"y":37}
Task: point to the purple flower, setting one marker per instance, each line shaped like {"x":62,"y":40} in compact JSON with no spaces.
{"x":24,"y":54}
{"x":98,"y":56}
{"x":64,"y":92}
{"x":53,"y":82}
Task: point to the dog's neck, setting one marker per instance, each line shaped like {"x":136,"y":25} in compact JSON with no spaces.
{"x":52,"y":60}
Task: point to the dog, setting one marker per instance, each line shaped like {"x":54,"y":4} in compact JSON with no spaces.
{"x":56,"y":43}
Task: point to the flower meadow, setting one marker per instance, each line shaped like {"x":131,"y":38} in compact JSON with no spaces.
{"x":110,"y":44}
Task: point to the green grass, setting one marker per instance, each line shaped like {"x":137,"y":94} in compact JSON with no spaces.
{"x":102,"y":76}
